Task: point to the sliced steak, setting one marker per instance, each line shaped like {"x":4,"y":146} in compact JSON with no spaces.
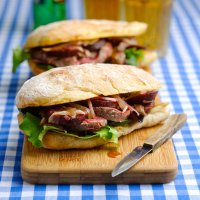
{"x":105,"y":53}
{"x":143,"y":99}
{"x":87,"y":60}
{"x":60,"y":62}
{"x":39,"y":56}
{"x":111,"y":114}
{"x":91,"y":124}
{"x":96,"y":46}
{"x":107,"y":102}
{"x":125,"y":43}
{"x":73,"y":118}
{"x":100,"y":51}
{"x":72,"y":54}
{"x":48,"y":111}
{"x":67,"y":121}
{"x":63,"y":49}
{"x":79,"y":123}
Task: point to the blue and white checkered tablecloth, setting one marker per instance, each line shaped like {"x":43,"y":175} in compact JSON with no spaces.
{"x":180,"y":74}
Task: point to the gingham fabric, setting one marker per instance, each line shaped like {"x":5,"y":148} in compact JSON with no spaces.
{"x":179,"y":72}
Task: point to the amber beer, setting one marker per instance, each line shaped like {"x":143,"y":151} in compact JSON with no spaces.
{"x":156,"y":13}
{"x":102,"y":9}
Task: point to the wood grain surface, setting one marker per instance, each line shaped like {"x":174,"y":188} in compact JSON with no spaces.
{"x":95,"y":166}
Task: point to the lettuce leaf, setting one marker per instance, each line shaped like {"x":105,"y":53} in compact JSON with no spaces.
{"x":126,"y":121}
{"x":35,"y":131}
{"x":108,"y":133}
{"x":133,"y":55}
{"x":32,"y":128}
{"x":47,"y":128}
{"x":46,"y":67}
{"x":19,"y":56}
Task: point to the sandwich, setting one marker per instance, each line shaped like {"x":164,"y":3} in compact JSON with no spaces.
{"x":88,"y":105}
{"x":74,"y":42}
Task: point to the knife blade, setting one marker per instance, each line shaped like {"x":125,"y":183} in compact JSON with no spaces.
{"x":170,"y":127}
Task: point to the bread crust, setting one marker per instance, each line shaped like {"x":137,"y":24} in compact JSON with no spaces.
{"x":35,"y":67}
{"x":80,"y":82}
{"x":57,"y":141}
{"x":76,"y":30}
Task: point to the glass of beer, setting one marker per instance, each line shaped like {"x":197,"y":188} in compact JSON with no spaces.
{"x":157,"y":14}
{"x":102,"y":9}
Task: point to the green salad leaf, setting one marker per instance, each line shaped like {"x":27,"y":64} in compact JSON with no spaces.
{"x":19,"y":56}
{"x":32,"y":128}
{"x":108,"y":133}
{"x":126,"y":121}
{"x":46,"y":67}
{"x":133,"y":55}
{"x":47,"y":128}
{"x":35,"y":131}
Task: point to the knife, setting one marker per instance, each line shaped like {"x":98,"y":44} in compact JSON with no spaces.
{"x":172,"y":125}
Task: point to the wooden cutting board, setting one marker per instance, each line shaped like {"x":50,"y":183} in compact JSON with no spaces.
{"x":95,"y":165}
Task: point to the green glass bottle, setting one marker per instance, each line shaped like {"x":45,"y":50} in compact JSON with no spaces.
{"x":47,"y":11}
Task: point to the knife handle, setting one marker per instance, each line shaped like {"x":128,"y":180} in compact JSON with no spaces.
{"x":173,"y":124}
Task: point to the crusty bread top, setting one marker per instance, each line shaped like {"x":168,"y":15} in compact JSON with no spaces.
{"x":80,"y":82}
{"x":75,"y":30}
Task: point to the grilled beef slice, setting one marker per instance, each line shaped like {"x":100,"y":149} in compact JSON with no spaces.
{"x":76,"y":117}
{"x":103,"y":50}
